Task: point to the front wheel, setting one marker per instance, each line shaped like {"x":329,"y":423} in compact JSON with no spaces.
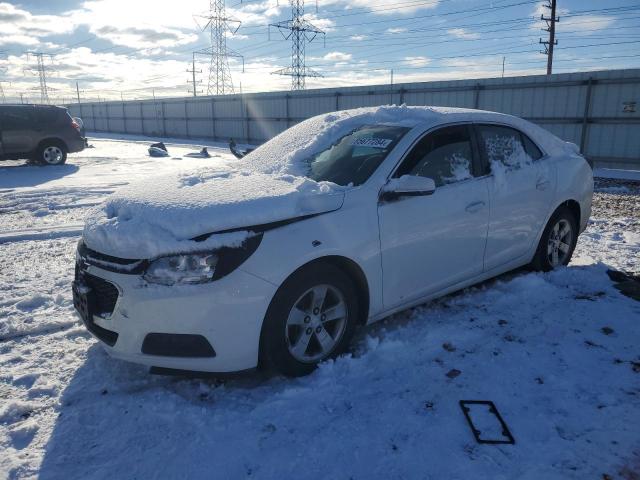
{"x":311,"y":318}
{"x":558,"y":241}
{"x":51,"y":154}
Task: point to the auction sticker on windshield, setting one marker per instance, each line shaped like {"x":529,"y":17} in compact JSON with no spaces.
{"x":371,"y":142}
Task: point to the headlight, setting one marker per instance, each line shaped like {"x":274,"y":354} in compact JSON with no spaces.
{"x":202,"y":267}
{"x":182,"y":269}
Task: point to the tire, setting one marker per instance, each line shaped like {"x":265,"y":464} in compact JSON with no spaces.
{"x":551,"y":253}
{"x":51,"y":153}
{"x":292,"y":320}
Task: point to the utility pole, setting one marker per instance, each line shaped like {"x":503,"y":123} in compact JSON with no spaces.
{"x":21,"y":98}
{"x":551,"y":28}
{"x":391,"y":89}
{"x":2,"y":70}
{"x":78,"y":92}
{"x":503,"y":59}
{"x":220,"y":81}
{"x":300,"y":31}
{"x":193,"y":72}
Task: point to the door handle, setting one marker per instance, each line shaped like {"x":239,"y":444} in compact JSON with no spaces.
{"x":542,"y":184}
{"x":474,"y":207}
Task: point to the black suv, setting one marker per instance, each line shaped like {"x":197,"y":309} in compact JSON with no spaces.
{"x":41,"y":133}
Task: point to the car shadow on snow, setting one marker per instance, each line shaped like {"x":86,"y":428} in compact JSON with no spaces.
{"x":117,"y":421}
{"x":28,"y":175}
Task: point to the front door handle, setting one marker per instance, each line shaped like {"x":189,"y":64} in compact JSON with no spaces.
{"x":542,"y":184}
{"x":474,"y":207}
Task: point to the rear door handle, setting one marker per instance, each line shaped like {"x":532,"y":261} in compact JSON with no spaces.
{"x":542,"y":184}
{"x":474,"y":207}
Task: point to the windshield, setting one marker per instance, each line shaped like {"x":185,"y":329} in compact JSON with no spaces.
{"x":354,"y":158}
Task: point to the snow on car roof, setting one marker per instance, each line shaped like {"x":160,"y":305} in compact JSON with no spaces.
{"x":160,"y":215}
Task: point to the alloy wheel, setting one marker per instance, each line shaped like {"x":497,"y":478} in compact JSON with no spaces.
{"x":52,"y":155}
{"x":559,"y":244}
{"x":316,"y":323}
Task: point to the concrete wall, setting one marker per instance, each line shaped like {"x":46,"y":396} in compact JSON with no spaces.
{"x":599,"y":111}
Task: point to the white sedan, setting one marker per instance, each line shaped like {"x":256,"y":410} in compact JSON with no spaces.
{"x":337,"y":222}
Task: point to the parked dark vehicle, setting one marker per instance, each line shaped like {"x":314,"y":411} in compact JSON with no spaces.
{"x":41,"y":133}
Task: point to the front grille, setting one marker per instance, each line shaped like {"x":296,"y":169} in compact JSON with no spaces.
{"x":106,"y":293}
{"x":113,"y":264}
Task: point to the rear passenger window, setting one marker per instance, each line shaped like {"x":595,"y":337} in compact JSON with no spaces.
{"x":531,"y":148}
{"x":504,"y":147}
{"x":15,"y":119}
{"x":444,"y":156}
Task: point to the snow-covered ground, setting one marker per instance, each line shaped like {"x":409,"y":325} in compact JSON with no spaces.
{"x":558,"y":353}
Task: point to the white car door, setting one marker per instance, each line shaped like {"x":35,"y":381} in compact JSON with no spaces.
{"x":432,"y":241}
{"x":522,"y":185}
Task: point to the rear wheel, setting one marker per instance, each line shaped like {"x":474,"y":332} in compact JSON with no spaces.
{"x":51,"y":153}
{"x":311,"y":318}
{"x":558,"y":241}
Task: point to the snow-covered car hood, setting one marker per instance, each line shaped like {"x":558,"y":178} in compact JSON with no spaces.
{"x":162,"y":214}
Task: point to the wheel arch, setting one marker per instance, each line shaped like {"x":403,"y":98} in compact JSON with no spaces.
{"x":351,"y":269}
{"x":574,"y":207}
{"x":52,"y":140}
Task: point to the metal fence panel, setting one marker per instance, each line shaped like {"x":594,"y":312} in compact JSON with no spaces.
{"x":599,"y":111}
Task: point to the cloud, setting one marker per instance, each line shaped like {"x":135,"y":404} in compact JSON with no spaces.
{"x":396,"y":30}
{"x":463,"y":34}
{"x":22,"y":28}
{"x":384,"y":7}
{"x":143,"y":37}
{"x":358,"y":38}
{"x":337,"y":56}
{"x":324,"y":24}
{"x":587,"y":24}
{"x":417,"y":61}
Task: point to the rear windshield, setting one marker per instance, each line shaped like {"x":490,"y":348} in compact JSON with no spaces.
{"x":354,"y":158}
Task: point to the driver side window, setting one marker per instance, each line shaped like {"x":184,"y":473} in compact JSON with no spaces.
{"x":444,"y":155}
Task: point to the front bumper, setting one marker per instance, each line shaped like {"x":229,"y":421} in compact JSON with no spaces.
{"x":227,"y":312}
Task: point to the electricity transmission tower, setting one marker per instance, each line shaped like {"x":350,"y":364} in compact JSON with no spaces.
{"x":218,"y":24}
{"x":300,"y":31}
{"x":551,"y":28}
{"x":42,"y":74}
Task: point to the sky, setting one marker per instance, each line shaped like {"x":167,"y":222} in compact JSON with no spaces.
{"x":134,"y":49}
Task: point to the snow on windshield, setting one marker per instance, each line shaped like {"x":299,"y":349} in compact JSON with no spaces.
{"x":291,"y":151}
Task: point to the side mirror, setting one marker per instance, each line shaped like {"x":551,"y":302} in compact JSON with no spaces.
{"x":407,"y":186}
